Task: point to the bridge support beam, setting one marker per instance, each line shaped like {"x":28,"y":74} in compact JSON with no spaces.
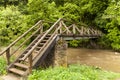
{"x":61,"y":53}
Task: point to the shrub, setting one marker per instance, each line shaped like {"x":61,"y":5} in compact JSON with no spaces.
{"x":12,"y":24}
{"x":73,"y":72}
{"x":2,"y":66}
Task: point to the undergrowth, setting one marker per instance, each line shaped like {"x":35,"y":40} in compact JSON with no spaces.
{"x":2,"y":65}
{"x":73,"y":72}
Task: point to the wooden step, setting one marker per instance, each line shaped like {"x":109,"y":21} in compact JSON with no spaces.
{"x":38,"y":47}
{"x":46,"y":38}
{"x":29,"y":48}
{"x":48,"y":35}
{"x":17,"y":71}
{"x":37,"y":40}
{"x":20,"y":59}
{"x":36,"y":51}
{"x":33,"y":44}
{"x":25,"y":53}
{"x":21,"y":65}
{"x":36,"y":35}
{"x":43,"y":41}
{"x":39,"y":37}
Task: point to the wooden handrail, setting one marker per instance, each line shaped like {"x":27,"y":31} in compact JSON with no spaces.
{"x":13,"y":43}
{"x":55,"y":33}
{"x":57,"y":29}
{"x":25,"y":41}
{"x":26,"y":56}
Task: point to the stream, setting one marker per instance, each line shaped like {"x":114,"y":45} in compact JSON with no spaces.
{"x":104,"y":59}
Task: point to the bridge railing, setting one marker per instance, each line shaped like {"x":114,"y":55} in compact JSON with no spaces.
{"x":53,"y":31}
{"x":39,"y":29}
{"x":59,"y":27}
{"x":53,"y":27}
{"x":74,"y":30}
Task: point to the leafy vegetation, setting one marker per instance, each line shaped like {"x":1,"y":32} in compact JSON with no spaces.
{"x":74,"y":43}
{"x":16,"y":17}
{"x":11,"y":21}
{"x":112,"y":16}
{"x":73,"y":72}
{"x":2,"y":66}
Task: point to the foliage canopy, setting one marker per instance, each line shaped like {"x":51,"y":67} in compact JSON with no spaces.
{"x":102,"y":14}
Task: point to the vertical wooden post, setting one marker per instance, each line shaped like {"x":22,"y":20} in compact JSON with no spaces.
{"x":74,"y":29}
{"x":56,"y":28}
{"x":60,"y":27}
{"x":82,"y":31}
{"x":88,"y":31}
{"x":97,"y":32}
{"x":67,"y":30}
{"x":41,"y":30}
{"x":8,"y":55}
{"x":93,"y":31}
{"x":30,"y":63}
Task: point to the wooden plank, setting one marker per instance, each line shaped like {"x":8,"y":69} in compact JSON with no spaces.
{"x":30,"y":63}
{"x":17,"y":71}
{"x":8,"y":55}
{"x":60,"y":27}
{"x":77,"y":28}
{"x":36,"y":51}
{"x":68,"y":28}
{"x":44,"y":41}
{"x":68,"y":31}
{"x":41,"y":28}
{"x":20,"y":37}
{"x":41,"y":38}
{"x":74,"y":31}
{"x":44,"y":49}
{"x":38,"y":47}
{"x":21,"y":65}
{"x":22,"y":44}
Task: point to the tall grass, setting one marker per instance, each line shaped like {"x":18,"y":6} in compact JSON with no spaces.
{"x":73,"y":72}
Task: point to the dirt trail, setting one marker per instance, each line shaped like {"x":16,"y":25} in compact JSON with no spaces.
{"x":12,"y":77}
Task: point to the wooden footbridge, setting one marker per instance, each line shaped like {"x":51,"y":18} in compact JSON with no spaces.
{"x":42,"y":42}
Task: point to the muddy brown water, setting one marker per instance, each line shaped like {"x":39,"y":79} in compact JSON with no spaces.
{"x":105,"y":59}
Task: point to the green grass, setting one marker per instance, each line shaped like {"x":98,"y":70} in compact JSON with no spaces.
{"x":2,"y":66}
{"x":73,"y":72}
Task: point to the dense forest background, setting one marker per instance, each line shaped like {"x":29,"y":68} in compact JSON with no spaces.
{"x":16,"y":16}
